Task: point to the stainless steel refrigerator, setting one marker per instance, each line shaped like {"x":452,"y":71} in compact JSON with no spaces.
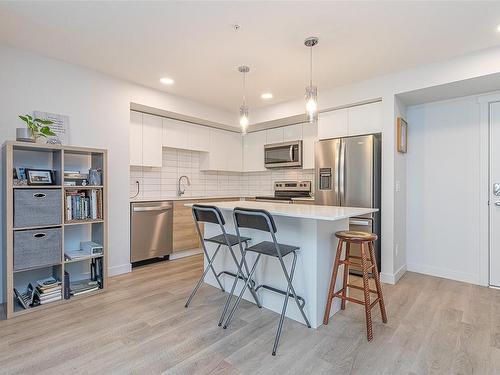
{"x":348,"y":174}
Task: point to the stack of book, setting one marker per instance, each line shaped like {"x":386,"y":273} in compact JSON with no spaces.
{"x":48,"y":290}
{"x":83,"y":286}
{"x":84,"y":205}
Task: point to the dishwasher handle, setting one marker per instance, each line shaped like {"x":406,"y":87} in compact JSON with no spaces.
{"x":151,"y":208}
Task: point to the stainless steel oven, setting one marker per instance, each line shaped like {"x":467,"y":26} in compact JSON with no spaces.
{"x":281,"y":155}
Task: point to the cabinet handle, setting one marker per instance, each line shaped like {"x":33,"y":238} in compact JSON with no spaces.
{"x":39,"y":235}
{"x":39,"y":195}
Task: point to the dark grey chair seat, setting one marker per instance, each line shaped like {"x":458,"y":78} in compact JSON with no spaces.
{"x":220,"y":239}
{"x":268,"y":248}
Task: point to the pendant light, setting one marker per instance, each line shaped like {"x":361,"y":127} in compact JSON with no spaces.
{"x":311,"y":91}
{"x":244,"y":109}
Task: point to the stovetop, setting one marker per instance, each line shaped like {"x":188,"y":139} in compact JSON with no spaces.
{"x":286,"y":190}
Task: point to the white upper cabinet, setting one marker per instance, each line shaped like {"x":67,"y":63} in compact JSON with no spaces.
{"x":365,"y":119}
{"x":151,"y":140}
{"x":292,"y":133}
{"x":225,"y":152}
{"x":135,"y":138}
{"x":361,"y":119}
{"x":333,"y":124}
{"x":175,"y":133}
{"x":274,"y":135}
{"x":309,"y":137}
{"x":253,"y":151}
{"x":198,"y":138}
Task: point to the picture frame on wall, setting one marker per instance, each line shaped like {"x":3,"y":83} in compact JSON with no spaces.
{"x":40,"y":176}
{"x":402,"y":135}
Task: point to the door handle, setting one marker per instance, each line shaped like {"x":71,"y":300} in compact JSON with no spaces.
{"x":360,"y":222}
{"x":144,"y":209}
{"x":497,"y":203}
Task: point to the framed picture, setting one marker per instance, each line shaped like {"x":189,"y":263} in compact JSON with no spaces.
{"x":40,"y":176}
{"x":402,"y":135}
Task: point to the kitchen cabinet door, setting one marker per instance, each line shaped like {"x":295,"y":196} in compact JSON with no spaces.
{"x":253,"y":151}
{"x":175,"y":133}
{"x":274,"y":135}
{"x":233,"y":152}
{"x":365,"y":119}
{"x":309,"y":138}
{"x":333,"y":124}
{"x":198,"y":137}
{"x":292,"y":133}
{"x":151,"y":140}
{"x":135,"y":138}
{"x":225,"y":152}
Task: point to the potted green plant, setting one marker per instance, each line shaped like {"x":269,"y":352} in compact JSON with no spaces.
{"x":35,"y":128}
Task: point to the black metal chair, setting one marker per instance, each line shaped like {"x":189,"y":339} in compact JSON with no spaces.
{"x":263,"y":221}
{"x":211,"y":214}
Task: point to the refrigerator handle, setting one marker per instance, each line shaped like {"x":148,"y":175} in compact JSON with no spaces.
{"x":341,"y":171}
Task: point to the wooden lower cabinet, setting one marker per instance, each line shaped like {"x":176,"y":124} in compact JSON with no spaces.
{"x":185,"y":236}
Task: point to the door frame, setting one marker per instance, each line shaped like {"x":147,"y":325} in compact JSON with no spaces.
{"x":484,"y":102}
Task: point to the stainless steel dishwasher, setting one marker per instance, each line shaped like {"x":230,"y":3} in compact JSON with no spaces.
{"x":151,"y":230}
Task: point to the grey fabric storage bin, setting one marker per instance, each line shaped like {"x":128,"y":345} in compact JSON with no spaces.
{"x":37,"y":207}
{"x":35,"y":248}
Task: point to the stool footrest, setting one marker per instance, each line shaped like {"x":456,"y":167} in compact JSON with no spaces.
{"x":252,"y":282}
{"x":350,"y":299}
{"x":282,"y":292}
{"x":349,"y":263}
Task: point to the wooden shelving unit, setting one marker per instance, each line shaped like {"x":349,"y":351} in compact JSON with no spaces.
{"x":57,"y":158}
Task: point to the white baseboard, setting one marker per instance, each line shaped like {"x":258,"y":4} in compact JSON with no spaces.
{"x":118,"y":270}
{"x":185,"y":253}
{"x":445,"y":273}
{"x":393,"y":278}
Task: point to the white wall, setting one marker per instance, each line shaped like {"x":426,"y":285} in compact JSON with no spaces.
{"x":443,"y":172}
{"x":99,"y":110}
{"x":469,"y":66}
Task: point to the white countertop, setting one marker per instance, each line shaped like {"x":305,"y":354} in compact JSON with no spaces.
{"x":303,"y":211}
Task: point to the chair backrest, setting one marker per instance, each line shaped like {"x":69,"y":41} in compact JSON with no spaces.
{"x":208,"y":214}
{"x":254,"y":219}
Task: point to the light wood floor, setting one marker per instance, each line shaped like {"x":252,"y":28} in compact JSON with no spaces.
{"x":141,"y":326}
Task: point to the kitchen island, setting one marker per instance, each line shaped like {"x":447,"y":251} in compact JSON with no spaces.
{"x":309,"y":226}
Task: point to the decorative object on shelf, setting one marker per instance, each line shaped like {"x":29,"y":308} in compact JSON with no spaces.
{"x":95,"y":177}
{"x":402,"y":135}
{"x":59,"y":126}
{"x":40,"y":176}
{"x":311,"y":91}
{"x":35,"y":128}
{"x":75,"y":178}
{"x":244,"y":108}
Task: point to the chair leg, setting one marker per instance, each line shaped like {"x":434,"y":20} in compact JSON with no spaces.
{"x":377,"y":283}
{"x":235,"y":306}
{"x":366,"y":289}
{"x":210,"y":261}
{"x":346,"y":275}
{"x":285,"y":303}
{"x":244,"y":263}
{"x":331,"y":290}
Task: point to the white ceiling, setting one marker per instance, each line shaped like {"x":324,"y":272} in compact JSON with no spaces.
{"x":195,"y":44}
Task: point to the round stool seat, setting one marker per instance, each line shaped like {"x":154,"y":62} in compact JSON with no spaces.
{"x":356,"y":236}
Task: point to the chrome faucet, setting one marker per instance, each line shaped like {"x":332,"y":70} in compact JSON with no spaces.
{"x":179,"y":191}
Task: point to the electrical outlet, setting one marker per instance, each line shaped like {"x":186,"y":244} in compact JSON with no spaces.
{"x":398,"y":186}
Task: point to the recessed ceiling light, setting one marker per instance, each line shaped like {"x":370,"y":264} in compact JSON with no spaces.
{"x":167,"y":81}
{"x":267,"y":95}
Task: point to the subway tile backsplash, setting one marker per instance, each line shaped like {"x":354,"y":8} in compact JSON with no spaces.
{"x":161,"y":182}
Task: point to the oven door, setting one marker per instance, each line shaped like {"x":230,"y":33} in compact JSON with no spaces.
{"x":286,"y":154}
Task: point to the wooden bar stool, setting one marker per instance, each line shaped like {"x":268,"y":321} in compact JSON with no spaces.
{"x":367,"y":263}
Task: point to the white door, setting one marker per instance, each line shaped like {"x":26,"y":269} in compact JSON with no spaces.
{"x":494,"y":191}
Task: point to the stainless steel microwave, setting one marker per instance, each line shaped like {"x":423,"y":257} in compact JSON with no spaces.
{"x":283,"y":155}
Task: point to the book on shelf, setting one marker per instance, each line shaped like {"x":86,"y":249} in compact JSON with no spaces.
{"x":84,"y":205}
{"x":48,"y":290}
{"x":83,"y":286}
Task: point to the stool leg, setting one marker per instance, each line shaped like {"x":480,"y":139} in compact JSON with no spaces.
{"x":346,"y":274}
{"x":377,"y":283}
{"x":366,"y":289}
{"x":332,"y":283}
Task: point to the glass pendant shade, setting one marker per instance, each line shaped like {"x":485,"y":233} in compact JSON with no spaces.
{"x":312,"y":103}
{"x":244,"y":118}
